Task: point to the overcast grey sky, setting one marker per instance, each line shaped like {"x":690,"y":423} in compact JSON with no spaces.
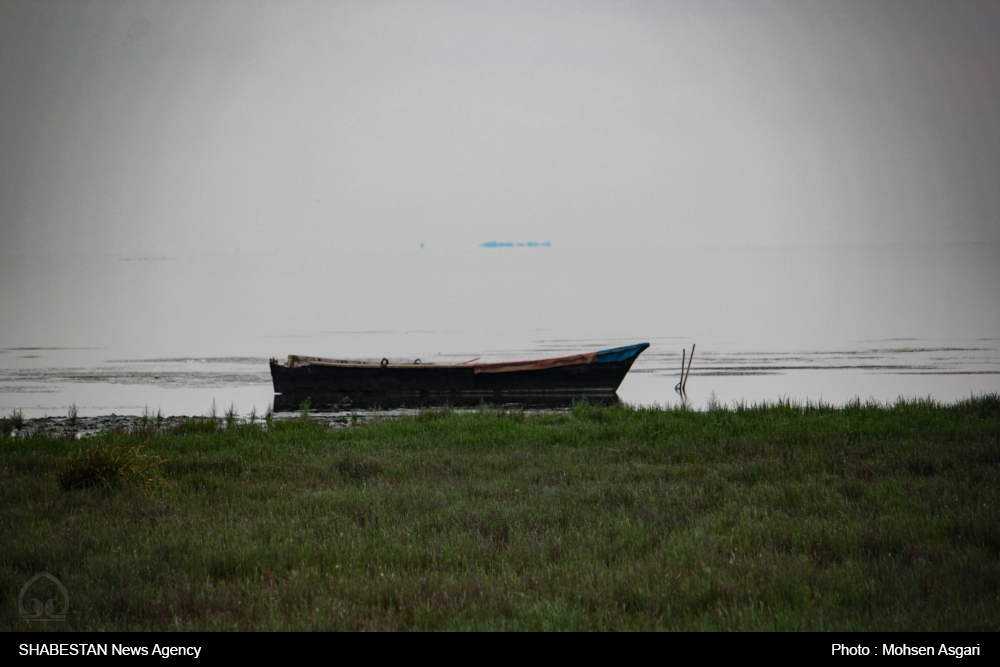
{"x":190,"y":127}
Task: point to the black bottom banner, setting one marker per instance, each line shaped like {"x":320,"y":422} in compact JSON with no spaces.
{"x":282,"y":646}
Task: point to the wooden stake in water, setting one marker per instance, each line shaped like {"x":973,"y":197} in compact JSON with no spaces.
{"x":680,"y":385}
{"x":688,"y":374}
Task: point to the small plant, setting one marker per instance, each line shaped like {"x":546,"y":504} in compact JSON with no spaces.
{"x":713,"y":402}
{"x":232,"y":416}
{"x":304,"y":409}
{"x":72,"y":415}
{"x":13,"y":423}
{"x":269,"y":414}
{"x":110,"y":466}
{"x":213,"y":413}
{"x":354,"y":418}
{"x":146,"y":426}
{"x":159,"y":417}
{"x":252,"y":417}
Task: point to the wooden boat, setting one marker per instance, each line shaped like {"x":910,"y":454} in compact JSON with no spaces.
{"x":592,"y":374}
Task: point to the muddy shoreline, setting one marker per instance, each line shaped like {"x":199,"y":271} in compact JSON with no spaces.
{"x":85,"y":427}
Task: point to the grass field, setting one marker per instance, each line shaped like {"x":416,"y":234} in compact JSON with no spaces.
{"x":782,"y":517}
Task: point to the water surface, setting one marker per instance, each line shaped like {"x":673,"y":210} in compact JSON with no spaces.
{"x":126,"y":334}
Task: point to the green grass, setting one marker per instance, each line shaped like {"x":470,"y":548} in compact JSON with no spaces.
{"x":783,"y":517}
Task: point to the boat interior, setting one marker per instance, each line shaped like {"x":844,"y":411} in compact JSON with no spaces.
{"x":295,"y":361}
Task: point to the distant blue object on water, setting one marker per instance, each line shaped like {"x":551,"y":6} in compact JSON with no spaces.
{"x":505,"y":244}
{"x":620,"y":353}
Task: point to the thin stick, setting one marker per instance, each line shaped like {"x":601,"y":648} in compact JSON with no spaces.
{"x":690,"y":359}
{"x":461,"y":363}
{"x":680,"y":385}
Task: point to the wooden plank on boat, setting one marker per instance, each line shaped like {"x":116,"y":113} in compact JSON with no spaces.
{"x":536,"y":364}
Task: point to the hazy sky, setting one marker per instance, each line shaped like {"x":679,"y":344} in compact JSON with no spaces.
{"x":183,"y":128}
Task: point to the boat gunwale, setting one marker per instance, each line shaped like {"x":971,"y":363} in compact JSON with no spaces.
{"x":584,"y":359}
{"x":370,"y":364}
{"x":300,"y":361}
{"x":295,"y":361}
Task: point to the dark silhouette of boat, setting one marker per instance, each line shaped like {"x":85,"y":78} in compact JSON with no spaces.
{"x":341,"y":383}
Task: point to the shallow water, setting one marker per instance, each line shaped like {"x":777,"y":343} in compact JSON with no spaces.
{"x":190,"y":386}
{"x":123,"y":335}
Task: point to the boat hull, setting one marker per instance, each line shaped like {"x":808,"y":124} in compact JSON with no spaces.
{"x":584,"y":378}
{"x":563,"y":379}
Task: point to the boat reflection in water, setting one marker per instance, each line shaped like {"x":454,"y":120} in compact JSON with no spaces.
{"x":333,"y":402}
{"x":556,"y":382}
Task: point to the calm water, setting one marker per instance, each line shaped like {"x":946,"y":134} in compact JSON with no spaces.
{"x":123,"y":334}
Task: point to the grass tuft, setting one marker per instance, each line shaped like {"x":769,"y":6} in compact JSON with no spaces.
{"x":359,"y":469}
{"x":14,"y":422}
{"x":232,"y":416}
{"x":109,"y":466}
{"x":203,"y":425}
